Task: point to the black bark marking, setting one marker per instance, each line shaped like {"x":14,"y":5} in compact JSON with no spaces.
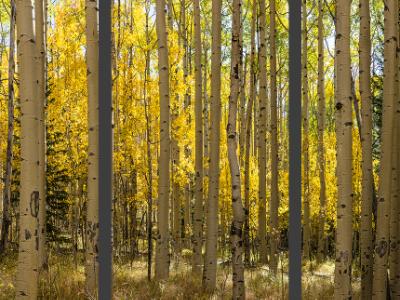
{"x":28,"y":234}
{"x":381,"y":248}
{"x":34,"y":204}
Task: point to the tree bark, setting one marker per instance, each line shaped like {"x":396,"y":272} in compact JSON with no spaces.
{"x":162,"y":250}
{"x":40,"y":18}
{"x":321,"y":128}
{"x":394,"y":210}
{"x":262,"y":139}
{"x":92,"y":217}
{"x":210,"y":262}
{"x":149,"y":194}
{"x":274,"y":228}
{"x":232,"y":136}
{"x":248,"y":136}
{"x":366,"y":148}
{"x":306,"y":166}
{"x":198,"y":209}
{"x":379,"y":289}
{"x":28,"y":254}
{"x":344,"y":152}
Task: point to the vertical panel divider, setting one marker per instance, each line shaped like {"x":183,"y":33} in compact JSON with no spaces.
{"x":295,"y":149}
{"x":105,"y":152}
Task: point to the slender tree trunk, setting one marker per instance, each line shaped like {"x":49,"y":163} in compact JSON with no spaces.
{"x":248,"y":137}
{"x":321,"y":128}
{"x":344,"y":152}
{"x":232,"y":135}
{"x":366,"y":148}
{"x":242,"y":110}
{"x":394,"y":210}
{"x":77,"y":188}
{"x":186,"y":104}
{"x":198,"y":210}
{"x":92,"y":217}
{"x":256,"y":104}
{"x":395,"y":249}
{"x":274,"y":146}
{"x":379,"y":289}
{"x":149,"y":156}
{"x":210,"y":262}
{"x":176,"y":199}
{"x":394,"y":277}
{"x":162,"y":250}
{"x":41,"y":94}
{"x":5,"y":225}
{"x":206,"y":130}
{"x":306,"y":180}
{"x":262,"y":139}
{"x":28,"y":254}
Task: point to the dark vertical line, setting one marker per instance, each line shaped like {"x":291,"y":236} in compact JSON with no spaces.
{"x":294,"y":149}
{"x":105,"y":152}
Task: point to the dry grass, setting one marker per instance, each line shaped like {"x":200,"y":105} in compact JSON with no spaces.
{"x":63,"y":281}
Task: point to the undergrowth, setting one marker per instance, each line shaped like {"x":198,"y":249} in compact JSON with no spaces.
{"x":65,"y":280}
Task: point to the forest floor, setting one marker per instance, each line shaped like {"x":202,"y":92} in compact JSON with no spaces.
{"x":65,"y":280}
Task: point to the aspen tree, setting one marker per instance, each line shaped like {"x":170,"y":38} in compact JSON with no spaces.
{"x":41,"y":94}
{"x":176,"y":196}
{"x":321,"y":128}
{"x":206,"y":129}
{"x":186,"y":104}
{"x":344,"y":152}
{"x":148,"y":150}
{"x":162,"y":249}
{"x":274,"y":145}
{"x":6,"y":220}
{"x":27,"y":267}
{"x":394,"y":276}
{"x":232,"y":136}
{"x":394,"y":208}
{"x":366,"y":148}
{"x":262,"y":139}
{"x":92,"y":219}
{"x":305,"y":113}
{"x":242,"y":111}
{"x":198,"y":209}
{"x":210,"y":260}
{"x":379,"y":289}
{"x":247,"y":138}
{"x":395,"y":249}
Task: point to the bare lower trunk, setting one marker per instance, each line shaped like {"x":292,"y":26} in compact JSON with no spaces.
{"x":344,"y":153}
{"x":41,"y":94}
{"x":198,"y":210}
{"x":382,"y":244}
{"x":210,"y":262}
{"x":262,"y":139}
{"x":274,"y":229}
{"x":28,"y":254}
{"x":232,"y":135}
{"x":306,"y":180}
{"x":394,"y":212}
{"x":247,"y":138}
{"x":162,"y":250}
{"x":321,"y":128}
{"x":91,"y":255}
{"x":366,"y":148}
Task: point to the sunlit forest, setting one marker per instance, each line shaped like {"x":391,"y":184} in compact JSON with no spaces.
{"x":200,"y":149}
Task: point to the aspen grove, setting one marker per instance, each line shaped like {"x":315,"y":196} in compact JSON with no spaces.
{"x":200,"y":110}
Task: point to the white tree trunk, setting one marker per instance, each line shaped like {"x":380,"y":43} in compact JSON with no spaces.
{"x":162,"y":249}
{"x":92,"y":219}
{"x":27,"y":267}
